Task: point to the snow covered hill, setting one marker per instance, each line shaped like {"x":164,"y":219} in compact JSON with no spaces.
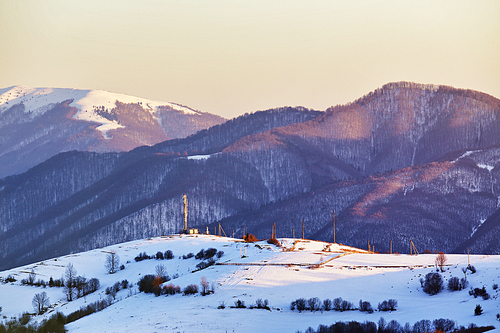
{"x":37,"y":123}
{"x":252,"y":271}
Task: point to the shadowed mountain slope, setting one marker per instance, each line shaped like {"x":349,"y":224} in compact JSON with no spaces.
{"x":406,"y":161}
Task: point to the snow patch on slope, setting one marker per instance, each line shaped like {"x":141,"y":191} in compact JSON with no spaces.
{"x":108,"y":99}
{"x":487,"y":167}
{"x":36,"y":100}
{"x":477,"y":227}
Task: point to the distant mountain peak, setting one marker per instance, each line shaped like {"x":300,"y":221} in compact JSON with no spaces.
{"x":431,"y":88}
{"x":37,"y":100}
{"x":41,"y":122}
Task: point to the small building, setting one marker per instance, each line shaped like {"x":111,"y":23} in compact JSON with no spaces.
{"x":189,"y":231}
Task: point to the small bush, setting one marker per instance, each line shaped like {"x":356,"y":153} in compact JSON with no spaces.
{"x":389,"y":305}
{"x":313,"y":304}
{"x":170,"y":289}
{"x":190,"y":289}
{"x":222,"y":305}
{"x":346,"y":306}
{"x":478,"y":310}
{"x":365,"y":306}
{"x":495,"y":286}
{"x":250,"y":238}
{"x":239,"y":304}
{"x":220,"y":254}
{"x":455,"y":284}
{"x":479,"y":292}
{"x":10,"y":278}
{"x":472,"y":269}
{"x":187,"y":256}
{"x":299,"y":303}
{"x":124,"y":284}
{"x":57,"y":282}
{"x":262,"y":304}
{"x":146,"y":283}
{"x":142,"y":256}
{"x":159,"y":255}
{"x":433,"y":283}
{"x":86,"y":310}
{"x":209,"y":253}
{"x":445,"y":325}
{"x":273,"y":241}
{"x":200,"y":255}
{"x":169,"y":255}
{"x":205,"y":264}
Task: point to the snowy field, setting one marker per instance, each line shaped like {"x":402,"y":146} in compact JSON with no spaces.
{"x":249,"y":271}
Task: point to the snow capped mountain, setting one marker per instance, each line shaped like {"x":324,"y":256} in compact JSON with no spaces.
{"x":37,"y":100}
{"x":247,"y":272}
{"x":37,"y":123}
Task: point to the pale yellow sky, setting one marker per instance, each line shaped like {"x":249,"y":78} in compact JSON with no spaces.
{"x":229,"y":57}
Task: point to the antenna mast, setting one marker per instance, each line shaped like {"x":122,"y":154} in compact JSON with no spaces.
{"x":185,"y":211}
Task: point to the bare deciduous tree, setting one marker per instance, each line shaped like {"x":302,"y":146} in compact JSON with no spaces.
{"x":112,"y":262}
{"x":40,"y":302}
{"x":32,"y":277}
{"x":69,"y":282}
{"x":441,"y":260}
{"x":160,"y":270}
{"x":204,"y":286}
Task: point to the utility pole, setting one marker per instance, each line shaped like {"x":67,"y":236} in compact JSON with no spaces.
{"x":368,"y":245}
{"x":303,"y":227}
{"x":221,"y":231}
{"x":293,"y":232}
{"x":391,"y":246}
{"x":334,"y":226}
{"x":412,"y":247}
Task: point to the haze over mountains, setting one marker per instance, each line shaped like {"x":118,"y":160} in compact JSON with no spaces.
{"x":37,"y":123}
{"x":407,"y":161}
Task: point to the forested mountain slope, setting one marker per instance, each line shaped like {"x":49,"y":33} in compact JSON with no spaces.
{"x":406,"y":161}
{"x":73,"y":197}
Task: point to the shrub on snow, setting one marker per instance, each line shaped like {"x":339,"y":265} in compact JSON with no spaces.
{"x":432,"y":284}
{"x":365,"y":306}
{"x":389,"y":305}
{"x":190,"y":289}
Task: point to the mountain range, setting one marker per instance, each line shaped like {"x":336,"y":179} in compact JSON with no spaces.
{"x":406,"y":162}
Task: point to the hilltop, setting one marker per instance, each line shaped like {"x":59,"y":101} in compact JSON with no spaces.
{"x":252,"y":271}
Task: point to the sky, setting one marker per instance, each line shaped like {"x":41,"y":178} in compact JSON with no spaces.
{"x":229,"y":57}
